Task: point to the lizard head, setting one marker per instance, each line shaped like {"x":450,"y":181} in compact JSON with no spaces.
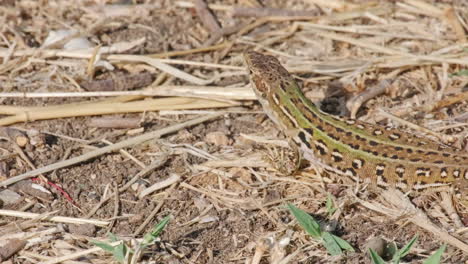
{"x":273,"y":85}
{"x":266,"y":73}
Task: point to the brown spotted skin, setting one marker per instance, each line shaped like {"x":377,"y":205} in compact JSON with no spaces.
{"x":358,"y":149}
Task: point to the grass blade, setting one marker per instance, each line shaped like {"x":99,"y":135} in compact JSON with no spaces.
{"x":306,"y":221}
{"x":405,"y":250}
{"x":330,"y":244}
{"x":375,"y":258}
{"x":157,"y":229}
{"x":343,"y":243}
{"x":435,"y":258}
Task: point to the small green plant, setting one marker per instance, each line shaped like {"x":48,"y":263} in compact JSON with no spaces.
{"x":122,"y":252}
{"x":331,"y":209}
{"x":334,"y":244}
{"x":460,"y":73}
{"x":375,"y":258}
{"x":397,"y":255}
{"x":119,"y":251}
{"x":435,"y":258}
{"x":150,"y":237}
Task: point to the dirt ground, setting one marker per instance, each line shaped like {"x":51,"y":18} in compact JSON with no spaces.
{"x":226,"y":201}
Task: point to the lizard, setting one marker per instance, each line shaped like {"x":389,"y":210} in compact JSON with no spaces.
{"x":364,"y":151}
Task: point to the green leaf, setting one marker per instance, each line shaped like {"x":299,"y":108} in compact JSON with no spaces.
{"x":460,"y":73}
{"x":157,"y":229}
{"x":306,"y":221}
{"x":330,"y":244}
{"x":105,"y":246}
{"x":435,"y":258}
{"x":375,"y":258}
{"x":112,"y":237}
{"x":329,"y":204}
{"x":404,"y":250}
{"x":118,"y":251}
{"x":343,"y":243}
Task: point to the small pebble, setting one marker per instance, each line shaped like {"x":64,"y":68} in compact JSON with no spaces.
{"x":378,"y":244}
{"x":217,"y":138}
{"x":84,"y":229}
{"x":9,"y":197}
